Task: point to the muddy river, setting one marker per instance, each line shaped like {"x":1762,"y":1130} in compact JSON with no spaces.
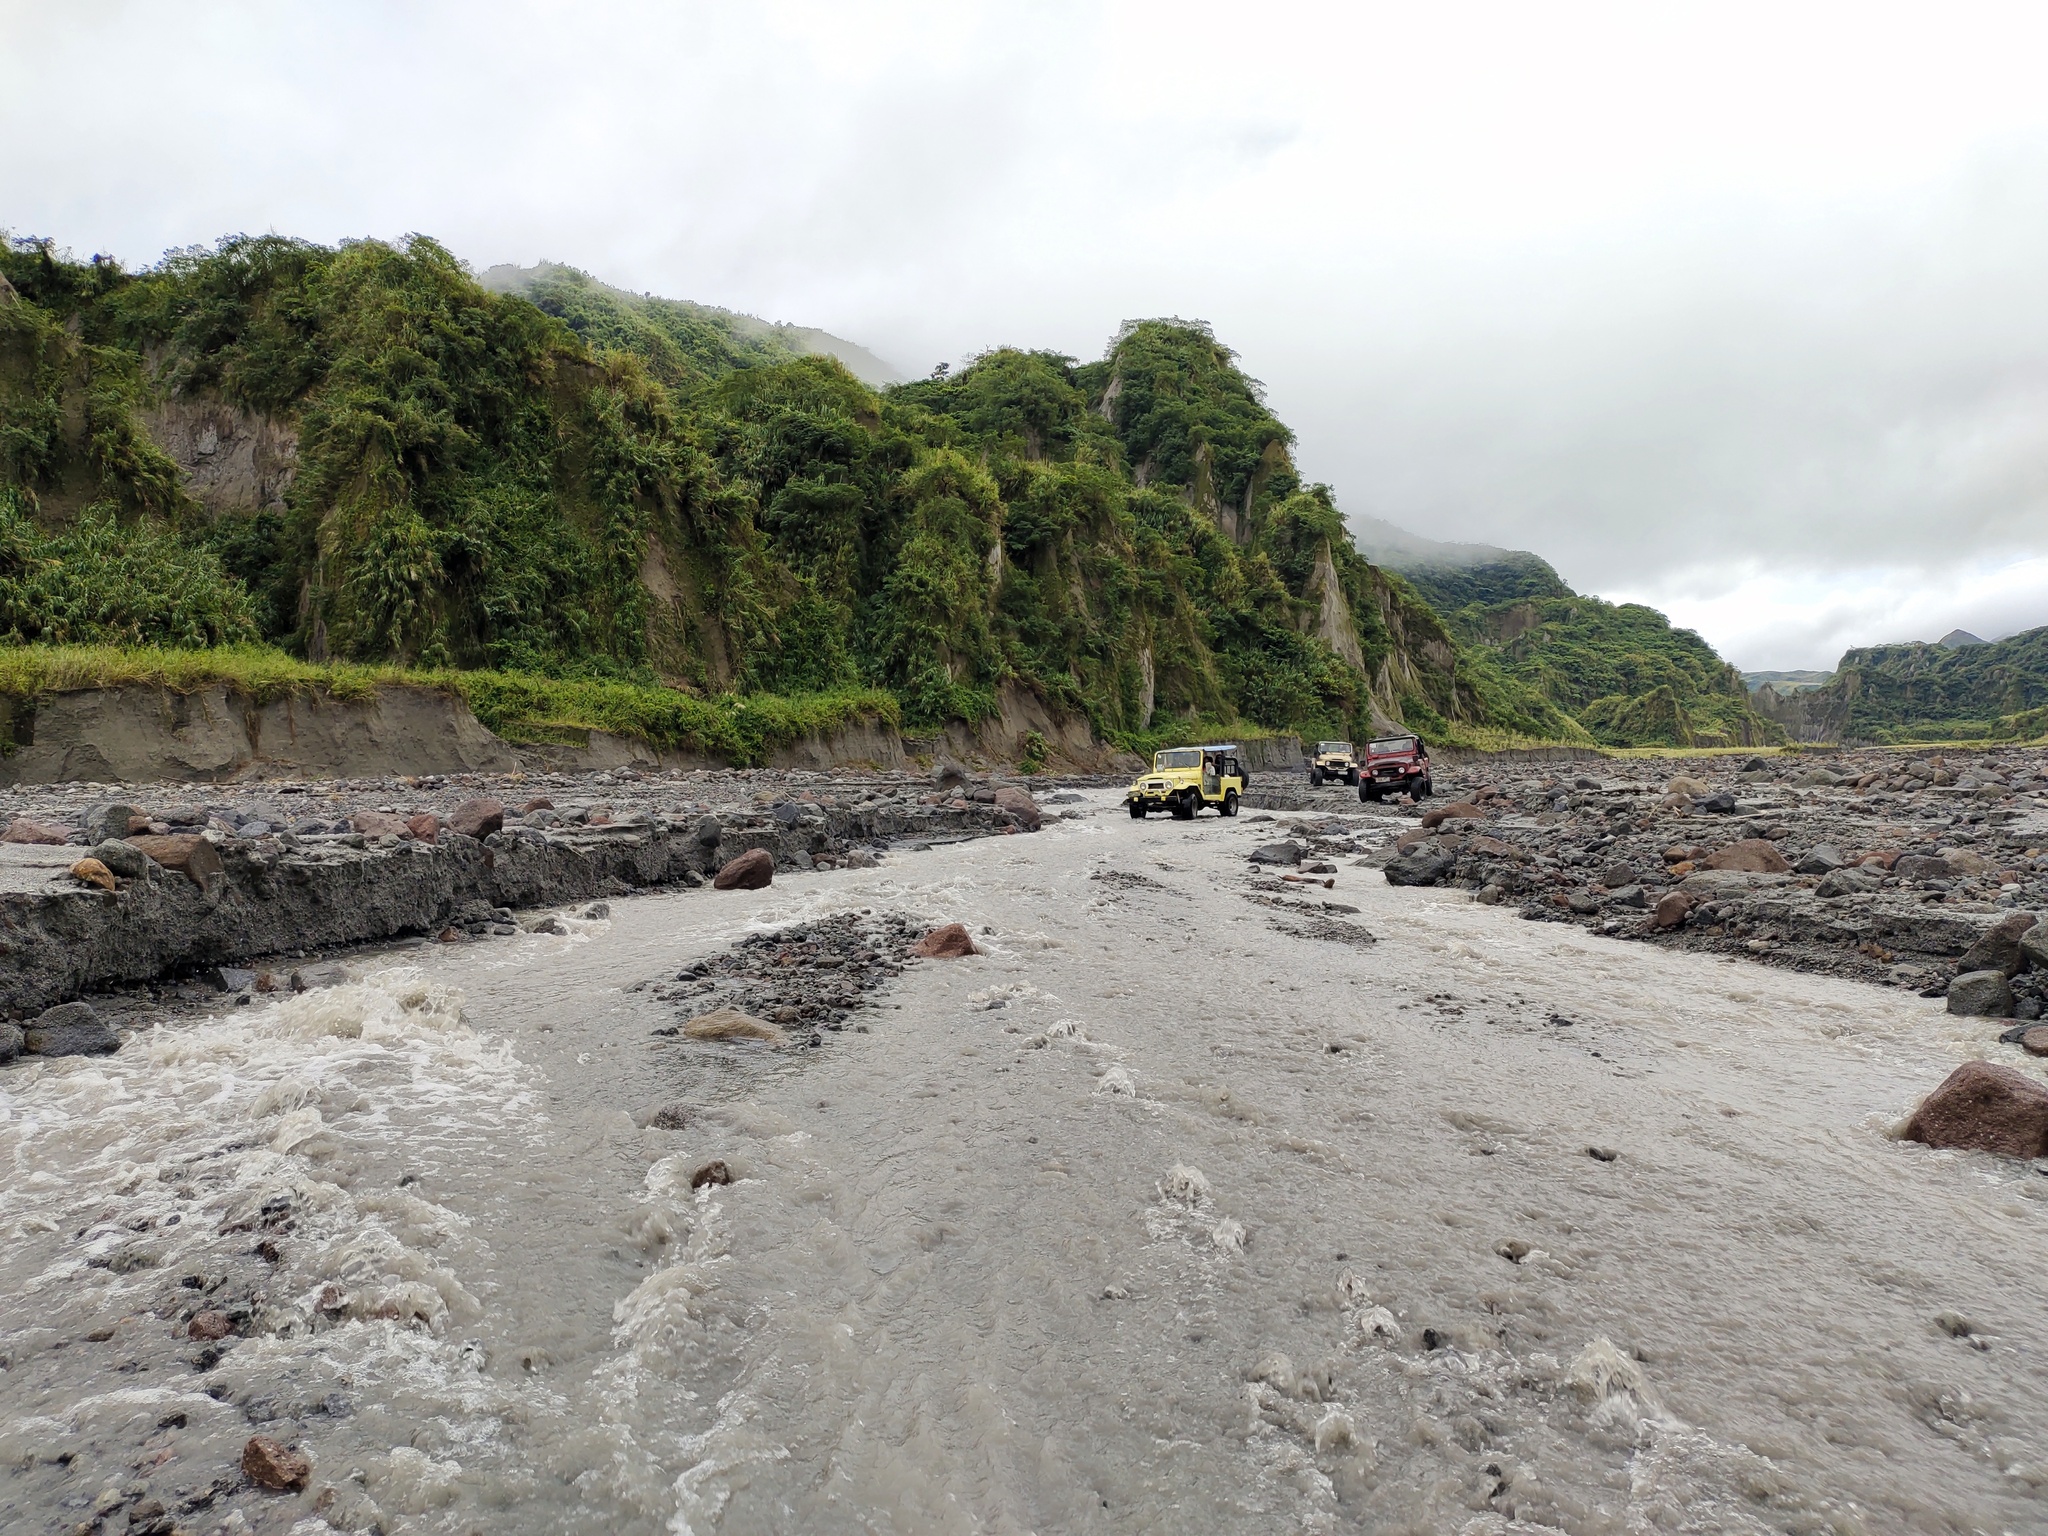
{"x":1192,"y":1204}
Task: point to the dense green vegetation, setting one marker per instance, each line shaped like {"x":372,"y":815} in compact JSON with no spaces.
{"x":1510,"y":577}
{"x":1621,"y":670}
{"x":592,"y":491}
{"x":1916,"y":692}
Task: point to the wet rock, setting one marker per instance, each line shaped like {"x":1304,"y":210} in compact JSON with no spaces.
{"x":1457,"y":810}
{"x":1984,"y":1108}
{"x":1999,"y":949}
{"x":92,"y":872}
{"x":310,"y":978}
{"x":1018,"y":803}
{"x":1671,"y":910}
{"x":270,"y":1465}
{"x":379,"y":824}
{"x":950,"y":942}
{"x":69,"y":1029}
{"x":1420,"y":866}
{"x":597,"y":911}
{"x":2034,"y":1041}
{"x":209,"y":1326}
{"x":10,"y":1041}
{"x":1751,"y":856}
{"x":1277,"y":853}
{"x":551,"y":924}
{"x":425,"y":827}
{"x":714,"y":1173}
{"x":731,"y":1024}
{"x":670,"y":1117}
{"x":947,"y":775}
{"x":859,"y":858}
{"x":709,"y":833}
{"x":751,"y":871}
{"x":22,"y":830}
{"x":187,"y":853}
{"x":477,"y":818}
{"x":1981,"y":995}
{"x":123,"y":858}
{"x":1718,"y":805}
{"x":231,"y":978}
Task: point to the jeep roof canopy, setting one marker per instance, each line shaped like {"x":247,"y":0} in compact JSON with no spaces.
{"x":1333,"y":746}
{"x":1394,"y":744}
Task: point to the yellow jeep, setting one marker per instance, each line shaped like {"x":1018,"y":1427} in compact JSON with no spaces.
{"x":1333,"y":760}
{"x":1184,"y":779}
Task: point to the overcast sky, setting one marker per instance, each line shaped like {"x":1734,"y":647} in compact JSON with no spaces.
{"x":1740,"y":311}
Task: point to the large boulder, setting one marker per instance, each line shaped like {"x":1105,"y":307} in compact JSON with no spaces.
{"x":270,"y":1465}
{"x":951,"y":942}
{"x":477,"y":818}
{"x":1984,"y":1108}
{"x":1822,"y":859}
{"x":1751,"y":856}
{"x":1018,"y":803}
{"x":1277,"y":853}
{"x":1420,"y":867}
{"x":187,"y":852}
{"x":2034,"y":946}
{"x":709,"y":833}
{"x":1457,"y":810}
{"x":1672,"y":908}
{"x":22,"y":830}
{"x":1922,"y":866}
{"x":1686,"y":784}
{"x":751,"y":871}
{"x":425,"y":827}
{"x":10,"y":1041}
{"x":112,"y":821}
{"x":69,"y":1029}
{"x":379,"y":824}
{"x":1999,"y":949}
{"x":1854,"y":880}
{"x":123,"y":858}
{"x":1981,"y":995}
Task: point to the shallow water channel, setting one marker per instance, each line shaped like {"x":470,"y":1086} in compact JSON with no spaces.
{"x":1180,"y":1209}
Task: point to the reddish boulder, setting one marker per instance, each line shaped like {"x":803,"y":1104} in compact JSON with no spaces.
{"x":538,"y":803}
{"x":948,"y":943}
{"x":1999,"y":949}
{"x":1457,"y":810}
{"x":93,"y":872}
{"x":208,"y":1326}
{"x":270,"y":1465}
{"x":186,"y":851}
{"x":749,"y":872}
{"x":1751,"y":856}
{"x":477,"y":818}
{"x":2035,"y":1041}
{"x":425,"y":827}
{"x":1984,"y":1108}
{"x":22,"y":830}
{"x":379,"y":824}
{"x":1018,"y":803}
{"x":1672,"y":908}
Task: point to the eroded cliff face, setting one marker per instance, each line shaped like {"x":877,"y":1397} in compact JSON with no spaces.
{"x":230,"y":460}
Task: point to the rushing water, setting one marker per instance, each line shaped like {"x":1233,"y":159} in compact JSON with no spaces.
{"x":1173,"y":1211}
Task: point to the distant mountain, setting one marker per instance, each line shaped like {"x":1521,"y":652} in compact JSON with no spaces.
{"x":1452,"y":575}
{"x":1787,"y":682}
{"x":1959,"y":688}
{"x":678,"y":338}
{"x":1956,"y":639}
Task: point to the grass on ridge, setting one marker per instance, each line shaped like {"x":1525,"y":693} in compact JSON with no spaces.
{"x":742,"y":729}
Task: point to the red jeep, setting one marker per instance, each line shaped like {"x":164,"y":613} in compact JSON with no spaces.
{"x":1394,"y":764}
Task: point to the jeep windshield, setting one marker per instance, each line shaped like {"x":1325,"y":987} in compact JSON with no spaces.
{"x":1179,"y":757}
{"x":1391,"y":745}
{"x":1326,"y":748}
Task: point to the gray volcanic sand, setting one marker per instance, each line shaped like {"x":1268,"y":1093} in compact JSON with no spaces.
{"x":1174,"y":1211}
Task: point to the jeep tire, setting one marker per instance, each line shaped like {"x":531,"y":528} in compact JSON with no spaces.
{"x":1351,"y":776}
{"x":1230,"y":802}
{"x":1184,"y":806}
{"x":1315,"y":778}
{"x":1137,"y":811}
{"x":1369,"y":791}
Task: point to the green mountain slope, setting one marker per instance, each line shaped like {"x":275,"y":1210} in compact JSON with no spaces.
{"x":1451,"y":575}
{"x":1945,"y":691}
{"x":370,"y":456}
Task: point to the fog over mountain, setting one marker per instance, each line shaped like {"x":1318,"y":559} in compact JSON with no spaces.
{"x":1734,"y":311}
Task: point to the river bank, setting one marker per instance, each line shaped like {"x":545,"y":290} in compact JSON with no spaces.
{"x":1196,"y":1201}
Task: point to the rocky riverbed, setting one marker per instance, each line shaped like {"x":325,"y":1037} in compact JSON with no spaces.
{"x":1885,"y":866}
{"x":109,"y":887}
{"x":1187,"y":1186}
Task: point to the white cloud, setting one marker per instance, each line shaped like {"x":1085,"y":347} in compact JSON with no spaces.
{"x":1735,"y":304}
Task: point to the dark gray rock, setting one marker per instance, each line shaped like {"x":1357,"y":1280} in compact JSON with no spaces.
{"x":1922,"y":866}
{"x":788,"y":813}
{"x":230,"y":978}
{"x":1720,"y":805}
{"x":1277,"y":853}
{"x":69,"y":1029}
{"x":1999,"y":949}
{"x":1419,"y":867}
{"x":108,"y":821}
{"x":310,"y":978}
{"x":709,"y":833}
{"x":10,"y":1041}
{"x":598,"y":909}
{"x":123,"y":858}
{"x":2034,"y":946}
{"x":1617,"y":875}
{"x":1981,"y":995}
{"x":1850,"y":880}
{"x":1627,"y":896}
{"x":1824,"y":859}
